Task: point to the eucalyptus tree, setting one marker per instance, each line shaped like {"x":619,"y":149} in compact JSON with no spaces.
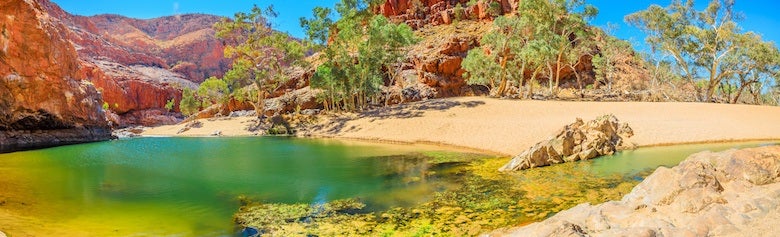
{"x":500,"y":59}
{"x":189,"y":104}
{"x":364,"y":49}
{"x":260,"y":54}
{"x":570,"y":34}
{"x":213,"y":91}
{"x":753,"y":65}
{"x":699,"y":41}
{"x":317,"y":28}
{"x":543,"y":35}
{"x":610,"y":51}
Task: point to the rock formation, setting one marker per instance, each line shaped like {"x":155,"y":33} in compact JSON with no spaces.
{"x":420,"y":13}
{"x":576,"y":141}
{"x":730,"y":193}
{"x":140,"y":65}
{"x":448,"y":30}
{"x":44,"y":100}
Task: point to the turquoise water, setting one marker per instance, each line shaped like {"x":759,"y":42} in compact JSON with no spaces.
{"x":634,"y":161}
{"x":191,"y":186}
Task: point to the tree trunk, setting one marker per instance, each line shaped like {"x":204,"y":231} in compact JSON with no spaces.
{"x":756,"y":92}
{"x":710,"y":92}
{"x":260,"y":105}
{"x":739,"y":93}
{"x":579,"y":80}
{"x":550,"y":78}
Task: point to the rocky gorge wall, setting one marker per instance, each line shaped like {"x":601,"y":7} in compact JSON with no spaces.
{"x":44,"y":100}
{"x":139,"y":65}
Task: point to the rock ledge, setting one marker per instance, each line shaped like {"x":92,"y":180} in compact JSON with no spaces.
{"x":730,"y":193}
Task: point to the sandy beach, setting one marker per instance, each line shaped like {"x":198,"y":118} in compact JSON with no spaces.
{"x":510,"y":126}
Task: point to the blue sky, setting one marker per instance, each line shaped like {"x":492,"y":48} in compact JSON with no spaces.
{"x":761,"y":15}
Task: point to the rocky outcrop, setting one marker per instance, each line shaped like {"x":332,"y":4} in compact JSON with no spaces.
{"x":436,"y":60}
{"x":44,"y":100}
{"x":433,"y":66}
{"x":140,"y":65}
{"x":731,"y":193}
{"x":297,"y":100}
{"x":185,"y":43}
{"x":576,"y":141}
{"x":421,"y":13}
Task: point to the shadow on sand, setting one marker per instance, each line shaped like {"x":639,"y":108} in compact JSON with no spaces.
{"x":402,"y":111}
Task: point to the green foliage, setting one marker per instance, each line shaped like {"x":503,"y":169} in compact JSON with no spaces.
{"x":239,"y":75}
{"x":213,"y":91}
{"x":260,"y":54}
{"x":481,"y":68}
{"x":544,"y":34}
{"x":458,"y":12}
{"x":494,"y":8}
{"x":363,"y":54}
{"x":417,"y":8}
{"x":700,"y":42}
{"x":188,"y":105}
{"x":245,"y":94}
{"x":611,"y":50}
{"x":169,"y":105}
{"x":754,"y":64}
{"x":318,"y":28}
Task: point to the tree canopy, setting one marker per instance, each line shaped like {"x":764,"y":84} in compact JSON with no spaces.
{"x":363,"y":53}
{"x":544,"y":37}
{"x":705,"y":45}
{"x":260,"y":54}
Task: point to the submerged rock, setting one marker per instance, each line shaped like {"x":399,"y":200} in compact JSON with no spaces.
{"x":730,"y":193}
{"x":576,"y":141}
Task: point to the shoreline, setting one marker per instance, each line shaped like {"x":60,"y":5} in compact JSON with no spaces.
{"x":507,"y":127}
{"x":451,"y":146}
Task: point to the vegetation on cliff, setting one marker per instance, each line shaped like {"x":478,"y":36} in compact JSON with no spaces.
{"x":379,"y":52}
{"x":543,"y":38}
{"x":364,"y":52}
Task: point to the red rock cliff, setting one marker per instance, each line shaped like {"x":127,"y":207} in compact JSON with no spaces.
{"x":139,"y":65}
{"x":44,"y":100}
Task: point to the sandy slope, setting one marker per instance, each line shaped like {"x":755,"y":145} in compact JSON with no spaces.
{"x":227,"y":126}
{"x":511,"y":126}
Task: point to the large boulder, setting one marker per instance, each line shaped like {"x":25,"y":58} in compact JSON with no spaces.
{"x":293,"y":101}
{"x":730,"y":193}
{"x":576,"y":141}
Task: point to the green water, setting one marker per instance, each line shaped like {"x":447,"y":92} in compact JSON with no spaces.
{"x":633,"y":161}
{"x":190,"y":186}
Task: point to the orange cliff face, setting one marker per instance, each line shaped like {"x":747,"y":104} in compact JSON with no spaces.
{"x":44,"y":100}
{"x":139,"y":65}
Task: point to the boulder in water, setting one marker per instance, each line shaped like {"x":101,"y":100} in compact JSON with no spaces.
{"x":577,"y":141}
